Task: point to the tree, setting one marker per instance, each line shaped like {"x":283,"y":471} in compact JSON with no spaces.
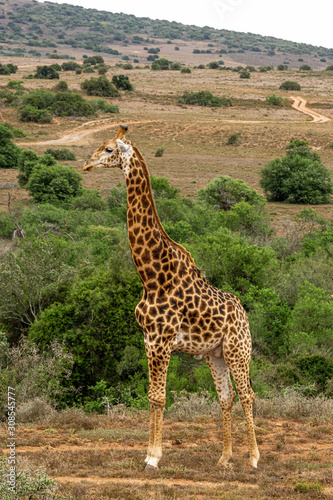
{"x":46,"y":72}
{"x":122,"y":82}
{"x":55,"y":184}
{"x":99,"y":86}
{"x":298,"y":177}
{"x":224,"y":192}
{"x":289,"y":85}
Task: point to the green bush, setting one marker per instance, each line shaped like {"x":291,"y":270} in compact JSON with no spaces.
{"x":61,"y":86}
{"x":101,"y":104}
{"x":71,"y":104}
{"x":162,"y":188}
{"x":244,"y":74}
{"x":224,"y":192}
{"x":90,"y":199}
{"x":46,"y":72}
{"x":160,"y":64}
{"x":70,"y":66}
{"x":273,"y":100}
{"x":231,"y":264}
{"x":40,"y":99}
{"x":7,"y":225}
{"x":310,"y":328}
{"x":305,"y":67}
{"x":31,"y":114}
{"x":96,"y":322}
{"x":203,"y":98}
{"x":55,"y":184}
{"x":61,"y":154}
{"x":26,"y":163}
{"x":100,"y":86}
{"x":185,"y":70}
{"x":290,"y":85}
{"x":329,"y":68}
{"x":9,"y":152}
{"x":298,"y":177}
{"x":159,"y":151}
{"x":213,"y":65}
{"x":93,"y":60}
{"x":234,"y":138}
{"x":122,"y":82}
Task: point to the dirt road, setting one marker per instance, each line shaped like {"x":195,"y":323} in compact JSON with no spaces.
{"x":94,"y":126}
{"x":300,"y":104}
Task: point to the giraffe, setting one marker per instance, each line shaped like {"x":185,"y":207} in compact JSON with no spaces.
{"x":179,"y":309}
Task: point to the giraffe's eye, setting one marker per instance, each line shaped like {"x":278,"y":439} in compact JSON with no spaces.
{"x":109,"y":150}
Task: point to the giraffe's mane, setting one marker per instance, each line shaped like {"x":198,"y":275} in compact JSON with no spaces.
{"x":161,"y":228}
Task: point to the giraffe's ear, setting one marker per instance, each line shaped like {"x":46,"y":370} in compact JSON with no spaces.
{"x":123,"y":148}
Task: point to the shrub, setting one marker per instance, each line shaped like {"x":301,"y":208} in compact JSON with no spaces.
{"x":35,"y":373}
{"x":55,"y":184}
{"x":162,"y":188}
{"x":244,"y":74}
{"x":122,"y":82}
{"x":9,"y":152}
{"x":175,"y":66}
{"x":159,"y":151}
{"x":224,"y":192}
{"x":329,"y":68}
{"x":234,"y":138}
{"x":61,"y":154}
{"x":15,"y":84}
{"x":160,"y":64}
{"x":71,"y":104}
{"x":213,"y":65}
{"x":185,"y":70}
{"x":203,"y":98}
{"x":26,"y":162}
{"x":31,"y":114}
{"x":88,"y":69}
{"x":90,"y":199}
{"x":305,"y":67}
{"x":30,"y":481}
{"x":17,"y":132}
{"x":290,"y":85}
{"x":298,"y":177}
{"x":282,"y":67}
{"x":93,"y":60}
{"x":100,"y":86}
{"x":40,"y":99}
{"x":46,"y":72}
{"x":7,"y":225}
{"x":70,"y":66}
{"x":61,"y":86}
{"x":273,"y":100}
{"x":111,"y":326}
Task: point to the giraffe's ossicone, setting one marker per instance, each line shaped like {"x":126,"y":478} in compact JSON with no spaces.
{"x":179,"y":310}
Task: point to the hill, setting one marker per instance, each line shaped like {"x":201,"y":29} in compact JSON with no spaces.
{"x":29,"y":28}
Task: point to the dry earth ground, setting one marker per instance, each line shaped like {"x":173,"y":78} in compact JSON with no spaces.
{"x":101,"y":459}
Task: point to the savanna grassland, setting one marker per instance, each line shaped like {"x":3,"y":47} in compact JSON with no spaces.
{"x":74,"y":281}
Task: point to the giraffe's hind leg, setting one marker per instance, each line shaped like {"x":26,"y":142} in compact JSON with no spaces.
{"x":237,"y":356}
{"x":226,"y":393}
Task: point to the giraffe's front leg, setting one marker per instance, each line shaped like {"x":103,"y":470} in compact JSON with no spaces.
{"x":158,"y":367}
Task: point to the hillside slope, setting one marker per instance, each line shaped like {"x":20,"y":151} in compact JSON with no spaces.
{"x":30,"y":28}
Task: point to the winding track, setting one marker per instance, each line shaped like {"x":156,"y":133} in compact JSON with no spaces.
{"x":300,"y":104}
{"x":98,"y":125}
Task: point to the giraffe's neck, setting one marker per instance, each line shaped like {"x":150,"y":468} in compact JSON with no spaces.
{"x":150,"y":245}
{"x":145,"y":232}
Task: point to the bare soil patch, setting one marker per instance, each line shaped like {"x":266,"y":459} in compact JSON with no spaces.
{"x":108,"y":461}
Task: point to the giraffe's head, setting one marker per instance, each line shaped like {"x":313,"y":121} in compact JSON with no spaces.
{"x":112,"y":153}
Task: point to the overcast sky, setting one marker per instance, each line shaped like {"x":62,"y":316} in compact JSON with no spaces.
{"x":308,"y":21}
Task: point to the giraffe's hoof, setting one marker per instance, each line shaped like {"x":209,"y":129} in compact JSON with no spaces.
{"x":150,"y":467}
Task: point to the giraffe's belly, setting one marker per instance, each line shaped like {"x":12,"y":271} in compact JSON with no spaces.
{"x":197,"y":342}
